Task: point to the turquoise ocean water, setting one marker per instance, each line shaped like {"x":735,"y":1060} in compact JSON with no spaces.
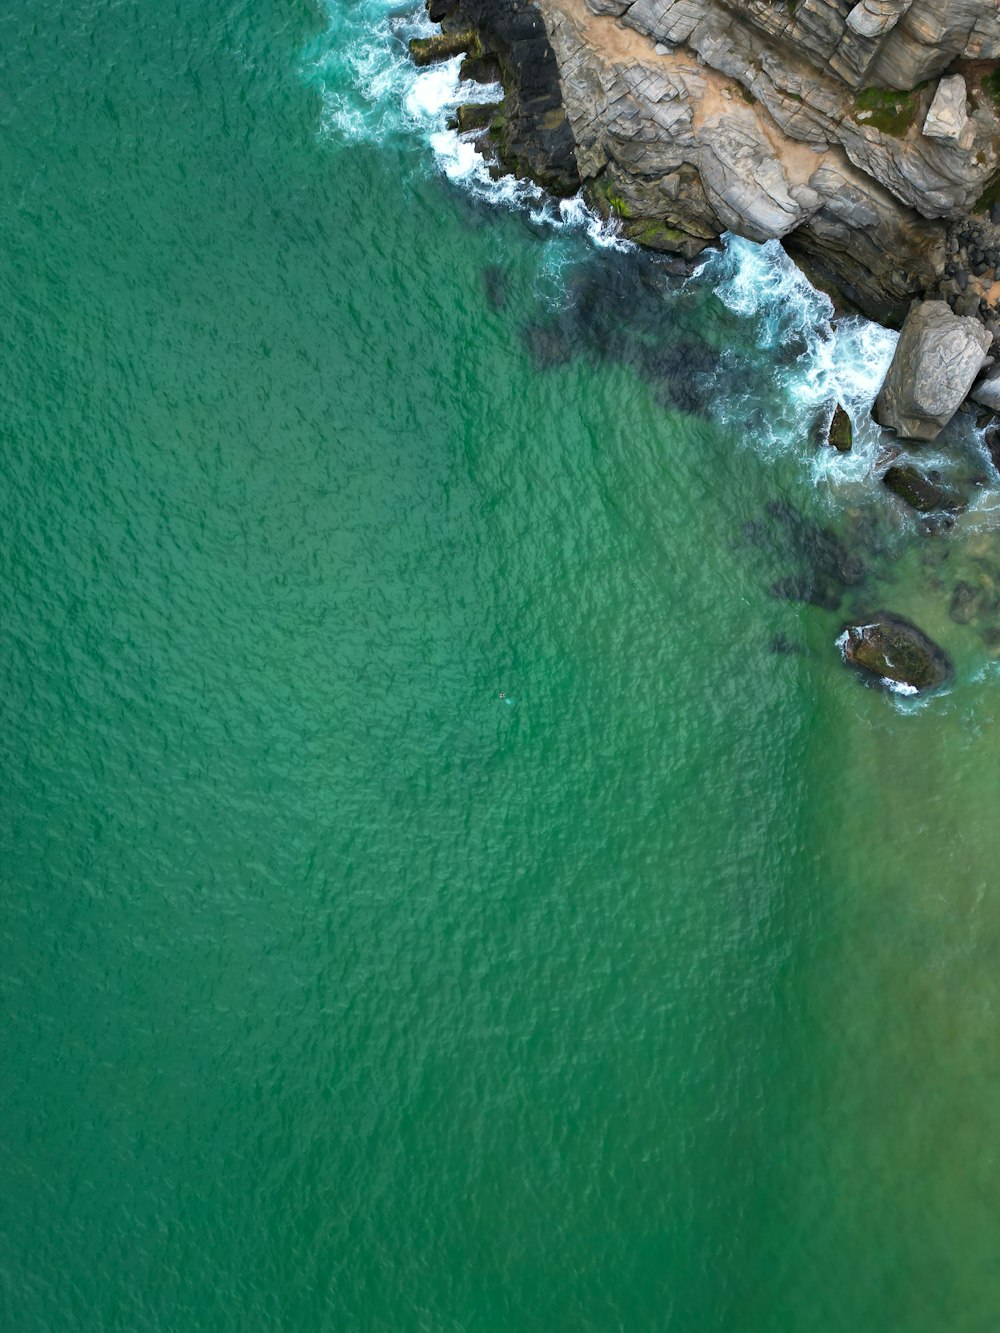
{"x":339,"y":992}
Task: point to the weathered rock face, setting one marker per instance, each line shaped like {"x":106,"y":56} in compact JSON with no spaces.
{"x":888,"y":648}
{"x":937,"y":358}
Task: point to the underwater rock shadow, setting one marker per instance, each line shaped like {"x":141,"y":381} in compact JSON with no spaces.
{"x":629,"y":310}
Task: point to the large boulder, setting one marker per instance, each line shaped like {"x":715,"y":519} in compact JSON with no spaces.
{"x":889,"y":649}
{"x":937,"y":358}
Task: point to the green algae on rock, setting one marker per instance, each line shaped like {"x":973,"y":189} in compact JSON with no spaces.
{"x":444,"y":46}
{"x":914,"y":487}
{"x":895,"y":652}
{"x":841,"y":432}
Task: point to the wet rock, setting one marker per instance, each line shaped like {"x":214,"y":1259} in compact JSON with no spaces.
{"x":480,"y":69}
{"x":535,"y":141}
{"x":915,"y":487}
{"x":474,"y":116}
{"x":888,"y":648}
{"x":991,"y":442}
{"x":443,"y":46}
{"x":841,"y":432}
{"x":937,"y":358}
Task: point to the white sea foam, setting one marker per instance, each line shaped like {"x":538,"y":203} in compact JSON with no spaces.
{"x":840,"y":361}
{"x":372,"y":92}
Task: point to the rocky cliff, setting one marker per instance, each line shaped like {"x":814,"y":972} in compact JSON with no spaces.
{"x":865,"y":136}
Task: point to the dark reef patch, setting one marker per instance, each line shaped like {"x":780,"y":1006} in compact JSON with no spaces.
{"x":614,"y":312}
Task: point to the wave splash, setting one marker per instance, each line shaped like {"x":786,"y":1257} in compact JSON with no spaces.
{"x":815,"y":360}
{"x":373,"y":93}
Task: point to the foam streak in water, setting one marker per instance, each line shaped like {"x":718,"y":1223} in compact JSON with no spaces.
{"x":815,"y":362}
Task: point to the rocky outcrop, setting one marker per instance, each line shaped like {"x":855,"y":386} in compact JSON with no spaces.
{"x":891,"y":650}
{"x":841,"y":432}
{"x":937,"y":358}
{"x":533,"y":138}
{"x":863,"y":136}
{"x":948,"y":117}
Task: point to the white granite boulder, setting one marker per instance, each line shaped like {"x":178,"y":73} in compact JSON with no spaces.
{"x":937,"y":358}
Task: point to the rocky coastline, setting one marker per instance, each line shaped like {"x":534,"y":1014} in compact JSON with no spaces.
{"x":864,"y":137}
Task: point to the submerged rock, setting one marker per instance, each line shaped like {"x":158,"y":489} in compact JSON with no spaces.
{"x":967,"y":603}
{"x":841,"y":432}
{"x":937,"y":358}
{"x":782,"y":646}
{"x":495,"y":285}
{"x":818,"y":548}
{"x":915,"y":487}
{"x":894,"y":651}
{"x":814,"y":589}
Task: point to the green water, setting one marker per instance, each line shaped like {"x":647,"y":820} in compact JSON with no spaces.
{"x":339,"y":992}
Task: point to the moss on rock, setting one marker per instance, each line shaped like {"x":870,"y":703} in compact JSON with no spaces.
{"x":888,"y":648}
{"x":841,"y":432}
{"x":888,"y":110}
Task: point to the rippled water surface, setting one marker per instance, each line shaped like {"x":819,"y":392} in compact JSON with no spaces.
{"x":451,"y":881}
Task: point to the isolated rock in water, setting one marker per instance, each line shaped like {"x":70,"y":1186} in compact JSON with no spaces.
{"x":841,"y":432}
{"x":915,"y":487}
{"x":937,"y":358}
{"x":948,"y":117}
{"x":896,"y":652}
